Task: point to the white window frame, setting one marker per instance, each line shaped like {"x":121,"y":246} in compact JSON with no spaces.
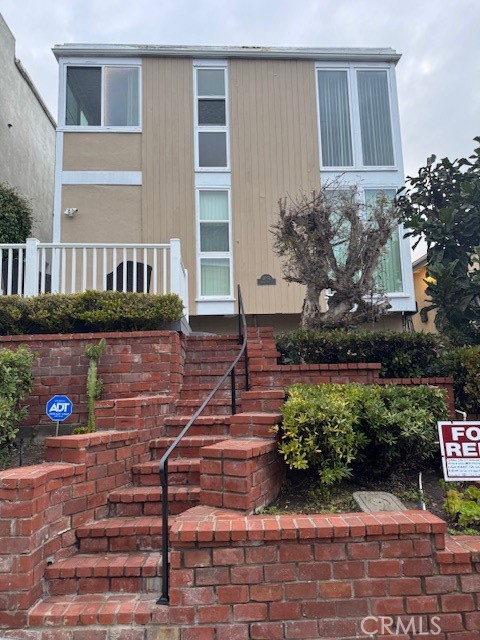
{"x":351,"y":70}
{"x":102,"y":63}
{"x":218,"y":65}
{"x":213,"y":254}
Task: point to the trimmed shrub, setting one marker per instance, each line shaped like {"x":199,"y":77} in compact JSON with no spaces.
{"x":463,"y":364}
{"x":16,"y":382}
{"x":402,"y":355}
{"x":335,"y":428}
{"x":92,"y":311}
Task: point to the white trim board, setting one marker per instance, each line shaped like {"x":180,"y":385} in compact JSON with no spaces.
{"x":102,"y":177}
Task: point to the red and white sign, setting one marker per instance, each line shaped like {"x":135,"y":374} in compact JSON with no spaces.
{"x":460,"y":447}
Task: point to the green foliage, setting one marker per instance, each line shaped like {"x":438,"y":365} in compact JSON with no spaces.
{"x":94,"y":384}
{"x":334,"y":428}
{"x":402,"y":355}
{"x":92,"y":311}
{"x":463,"y":506}
{"x":463,"y":364}
{"x":78,"y":431}
{"x":318,"y":430}
{"x":443,"y":204}
{"x":15,"y":216}
{"x":16,"y":382}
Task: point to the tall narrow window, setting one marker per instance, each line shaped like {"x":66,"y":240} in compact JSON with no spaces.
{"x":211,"y":116}
{"x":389,"y":271}
{"x":375,"y":122}
{"x":215,"y":253}
{"x":335,"y":131}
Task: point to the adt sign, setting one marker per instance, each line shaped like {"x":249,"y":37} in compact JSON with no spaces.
{"x":59,"y":408}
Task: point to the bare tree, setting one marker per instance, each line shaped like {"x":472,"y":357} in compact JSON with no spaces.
{"x":329,"y":241}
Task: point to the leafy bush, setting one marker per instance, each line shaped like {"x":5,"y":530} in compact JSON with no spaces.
{"x":320,"y":429}
{"x":335,"y":428}
{"x":402,"y":355}
{"x":92,"y":311}
{"x":463,"y":364}
{"x":15,"y":216}
{"x":463,"y":506}
{"x":15,"y":383}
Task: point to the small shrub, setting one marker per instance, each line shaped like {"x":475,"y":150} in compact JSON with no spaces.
{"x":402,"y":355}
{"x":94,"y":384}
{"x":16,"y":382}
{"x":319,"y":430}
{"x":15,"y":216}
{"x":335,"y":428}
{"x":463,"y":506}
{"x":92,"y":311}
{"x":463,"y":364}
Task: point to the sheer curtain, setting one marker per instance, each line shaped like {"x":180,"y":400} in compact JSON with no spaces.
{"x":389,"y":271}
{"x":335,"y":128}
{"x":375,"y":124}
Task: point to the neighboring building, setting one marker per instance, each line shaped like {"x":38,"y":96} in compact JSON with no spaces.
{"x":27,"y":137}
{"x":199,"y":143}
{"x":423,"y":320}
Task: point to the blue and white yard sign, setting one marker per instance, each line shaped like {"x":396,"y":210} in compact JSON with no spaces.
{"x":59,"y":408}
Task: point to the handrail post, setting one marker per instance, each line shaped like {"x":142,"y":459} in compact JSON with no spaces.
{"x":234,"y":392}
{"x":31,"y":267}
{"x":164,"y":598}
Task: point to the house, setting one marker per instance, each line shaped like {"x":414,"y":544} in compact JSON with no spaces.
{"x":199,"y":143}
{"x":423,"y":320}
{"x":27,"y":137}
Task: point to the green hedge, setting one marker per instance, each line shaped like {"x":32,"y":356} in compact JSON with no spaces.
{"x":15,"y":383}
{"x":463,"y":364}
{"x":368,"y":430}
{"x":402,"y":355}
{"x":91,"y":311}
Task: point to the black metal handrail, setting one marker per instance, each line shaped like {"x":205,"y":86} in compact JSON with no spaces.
{"x":163,"y":469}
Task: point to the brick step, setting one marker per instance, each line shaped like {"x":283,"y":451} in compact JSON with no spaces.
{"x":83,"y":573}
{"x":216,"y":406}
{"x":147,"y":501}
{"x":254,"y":424}
{"x":205,"y":378}
{"x":210,"y":425}
{"x":189,"y":447}
{"x":121,"y":534}
{"x":181,"y":471}
{"x":104,"y":609}
{"x":196,"y":359}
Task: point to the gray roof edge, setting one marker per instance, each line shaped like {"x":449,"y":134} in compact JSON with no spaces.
{"x":309,"y":53}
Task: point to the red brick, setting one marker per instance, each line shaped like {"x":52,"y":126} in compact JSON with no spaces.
{"x":397,"y":549}
{"x":337,"y":628}
{"x":319,"y":609}
{"x":280,"y":572}
{"x":330,"y":551}
{"x":470,"y":583}
{"x":314,"y":571}
{"x":197,"y":558}
{"x":247,"y":575}
{"x":335,"y":589}
{"x":422,"y":604}
{"x":198,"y":633}
{"x":301,"y":629}
{"x":441,"y":584}
{"x":285,"y":610}
{"x":265,"y":593}
{"x":472,"y":621}
{"x":301,"y":590}
{"x":405,"y":586}
{"x":383,"y":568}
{"x":348,"y":569}
{"x":266,"y":631}
{"x":234,"y":556}
{"x":387,"y":606}
{"x":418,"y":567}
{"x":212,"y":575}
{"x":214,"y":613}
{"x":355,"y":607}
{"x":457,"y":602}
{"x":232,"y":594}
{"x":249,"y":612}
{"x":263,"y":554}
{"x":364,"y":551}
{"x":295,"y":553}
{"x":233,"y":632}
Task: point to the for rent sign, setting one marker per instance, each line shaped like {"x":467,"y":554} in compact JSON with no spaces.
{"x":460,"y":447}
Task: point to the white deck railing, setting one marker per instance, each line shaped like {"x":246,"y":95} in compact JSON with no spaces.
{"x":36,"y":267}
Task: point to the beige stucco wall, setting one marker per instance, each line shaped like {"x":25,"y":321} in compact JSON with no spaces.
{"x":102,"y":152}
{"x":27,"y":138}
{"x":168,"y":190}
{"x":274,"y":152}
{"x":105,"y":213}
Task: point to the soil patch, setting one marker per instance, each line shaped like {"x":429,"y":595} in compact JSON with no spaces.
{"x":300,"y":494}
{"x":19,"y":454}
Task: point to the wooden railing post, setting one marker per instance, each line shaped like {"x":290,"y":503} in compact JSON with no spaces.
{"x":31,"y":267}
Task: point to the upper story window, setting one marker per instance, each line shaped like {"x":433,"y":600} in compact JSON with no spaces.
{"x":102,"y":96}
{"x":355,"y":118}
{"x":211,"y":118}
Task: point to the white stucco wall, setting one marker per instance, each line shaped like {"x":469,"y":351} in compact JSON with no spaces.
{"x":27,"y":137}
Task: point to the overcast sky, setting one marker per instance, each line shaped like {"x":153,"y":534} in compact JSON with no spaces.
{"x":438,"y":76}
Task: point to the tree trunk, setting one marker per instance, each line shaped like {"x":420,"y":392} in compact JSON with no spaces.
{"x":311,"y":308}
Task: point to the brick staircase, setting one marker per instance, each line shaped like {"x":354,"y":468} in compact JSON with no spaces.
{"x":114,"y":577}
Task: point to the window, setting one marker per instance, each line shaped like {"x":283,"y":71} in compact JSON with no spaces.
{"x":211,"y":118}
{"x":214,"y":243}
{"x":350,"y":96}
{"x":389,"y":271}
{"x":102,"y":96}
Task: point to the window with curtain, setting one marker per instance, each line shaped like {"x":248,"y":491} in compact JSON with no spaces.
{"x":214,"y":241}
{"x":114,"y":87}
{"x":355,"y":118}
{"x":335,"y":131}
{"x":375,"y":123}
{"x":389,"y":271}
{"x":211,"y":118}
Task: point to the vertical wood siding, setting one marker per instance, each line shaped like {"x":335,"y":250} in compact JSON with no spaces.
{"x":274,"y":152}
{"x":168,"y":199}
